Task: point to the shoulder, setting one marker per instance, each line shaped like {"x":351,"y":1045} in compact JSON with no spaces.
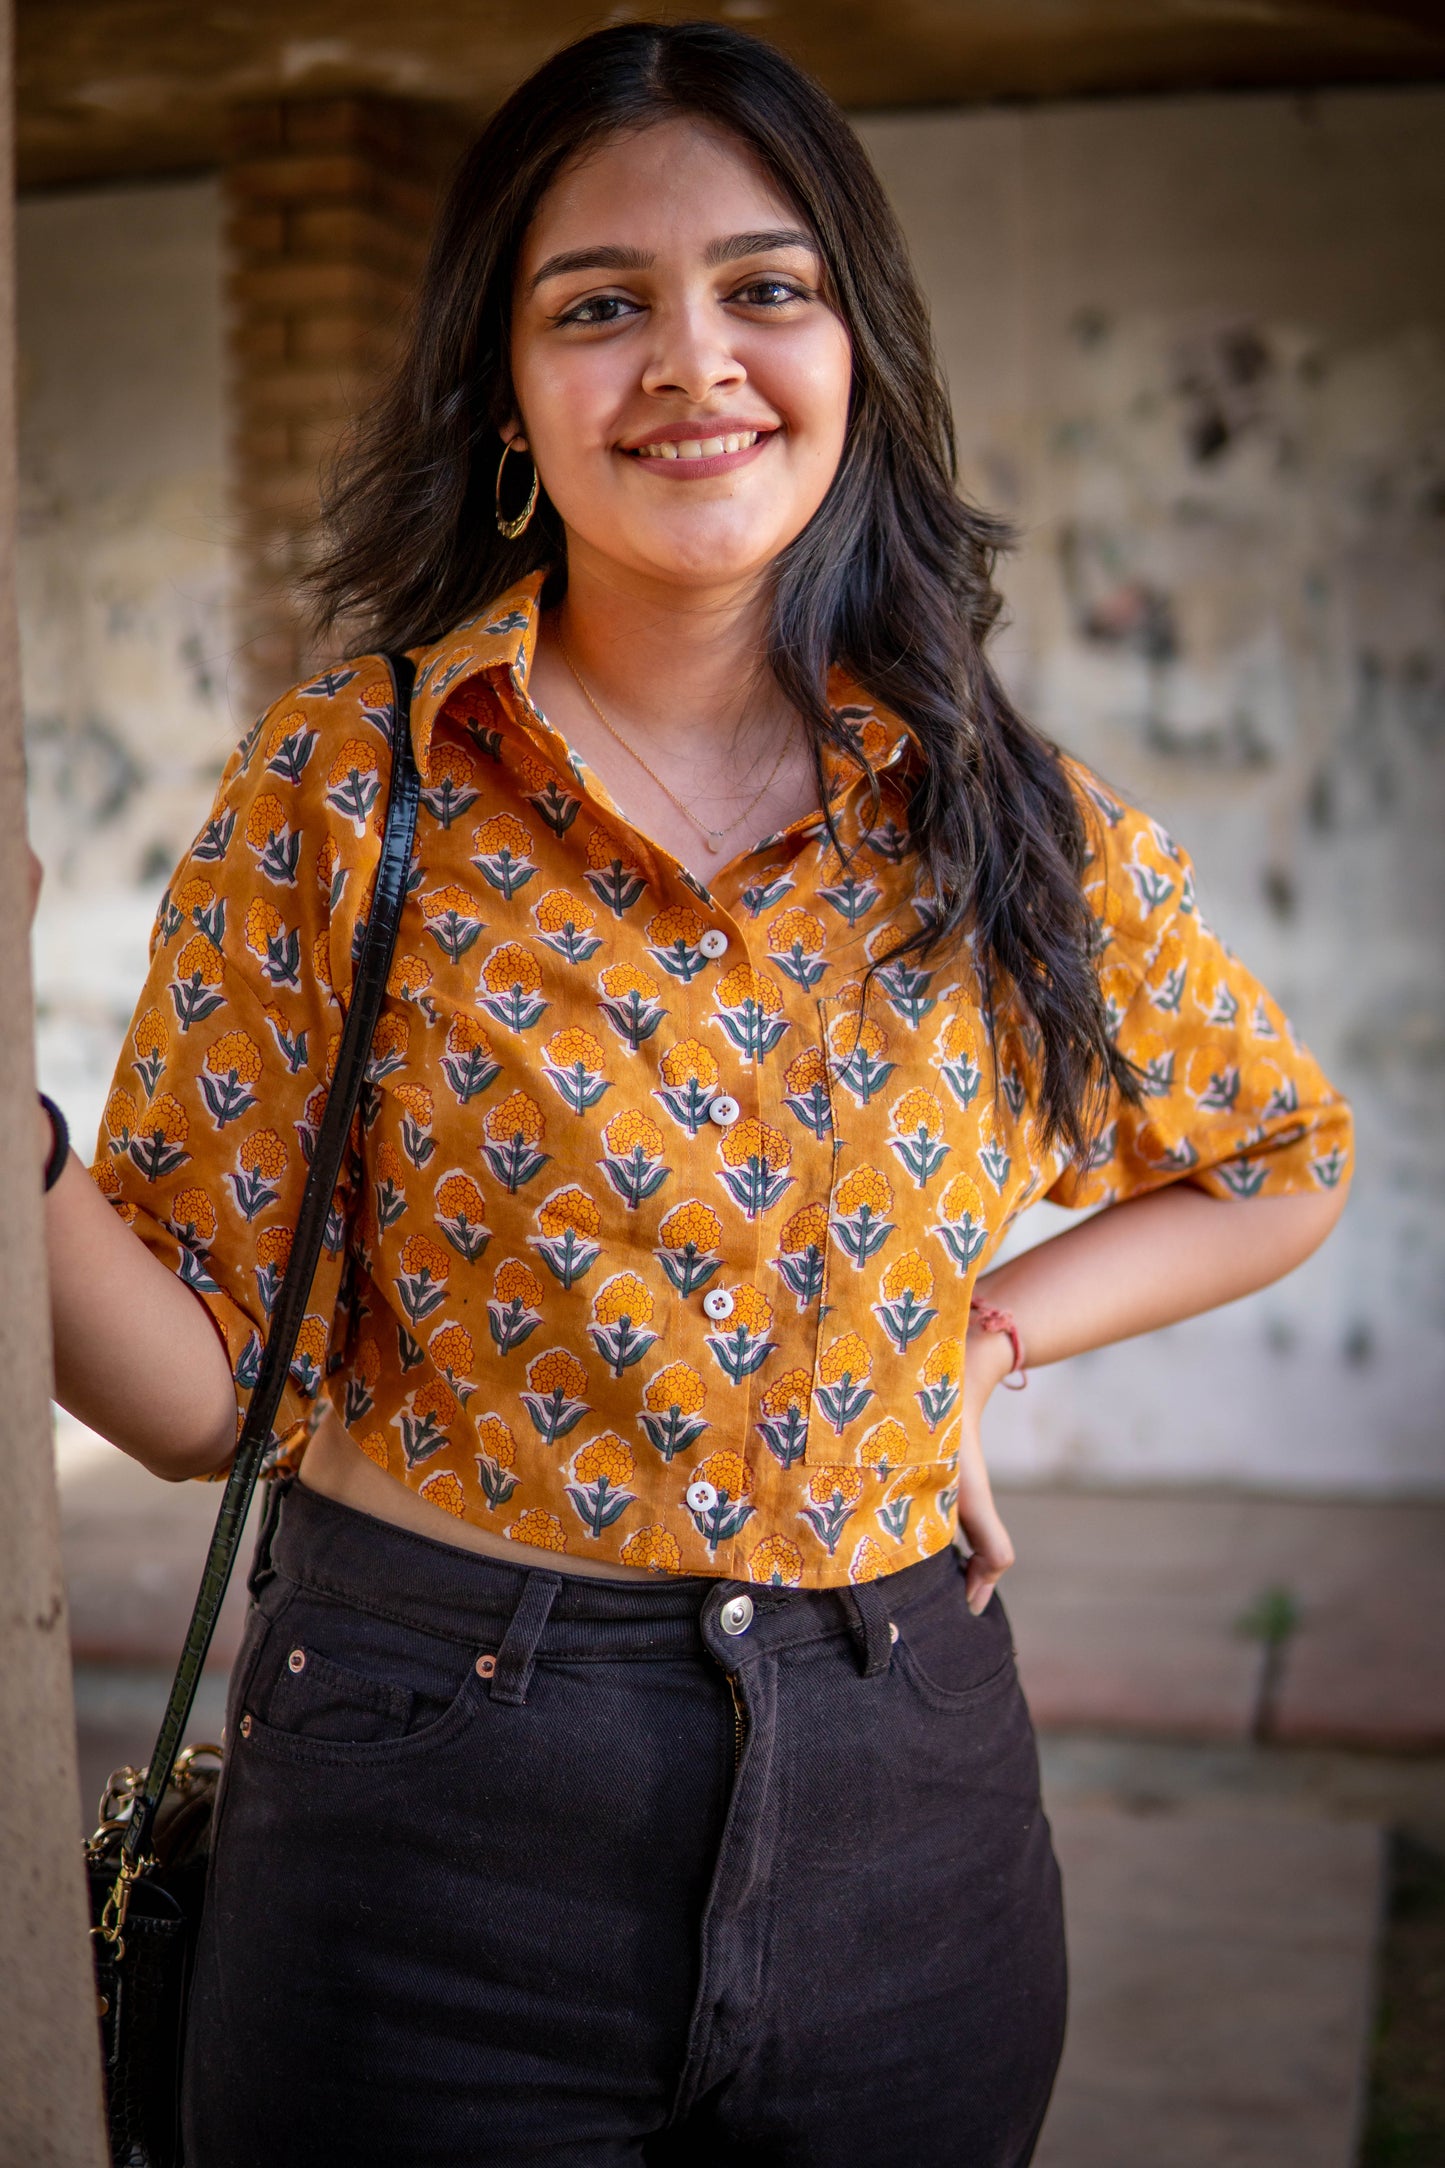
{"x":1138,"y":881}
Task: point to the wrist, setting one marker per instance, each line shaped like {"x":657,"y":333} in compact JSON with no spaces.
{"x":987,"y":1360}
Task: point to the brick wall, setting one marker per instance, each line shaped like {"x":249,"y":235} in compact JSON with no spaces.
{"x":328,"y":206}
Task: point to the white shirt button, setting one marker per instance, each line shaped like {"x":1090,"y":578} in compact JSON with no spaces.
{"x":701,"y":1497}
{"x":736,"y":1615}
{"x":717,"y":1303}
{"x":724,"y":1111}
{"x":714,"y":943}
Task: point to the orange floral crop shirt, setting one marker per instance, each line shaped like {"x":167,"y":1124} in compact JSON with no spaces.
{"x":653,"y":1247}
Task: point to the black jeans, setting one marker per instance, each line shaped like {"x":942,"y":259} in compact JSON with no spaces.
{"x":512,"y":1866}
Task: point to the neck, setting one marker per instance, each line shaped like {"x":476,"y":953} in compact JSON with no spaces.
{"x":685,"y":664}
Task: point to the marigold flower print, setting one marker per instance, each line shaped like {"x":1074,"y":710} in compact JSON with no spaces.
{"x":195,"y":902}
{"x":291,"y":1045}
{"x":565,"y":922}
{"x":375,"y":1447}
{"x":308,"y":1358}
{"x":868,"y":1562}
{"x":961,"y":1226}
{"x":749,"y":1008}
{"x":444,"y":1489}
{"x":689,"y":1083}
{"x":232,"y":1065}
{"x":425,"y":1419}
{"x":844,"y":1391}
{"x":612,"y":877}
{"x":195,"y":986}
{"x":496,"y":1461}
{"x":859,"y":1049}
{"x":512,"y":1135}
{"x":918,"y":1134}
{"x":795,"y":943}
{"x":847,"y":891}
{"x":783,"y":1424}
{"x":601,"y":1471}
{"x":260,"y":1165}
{"x":273,"y":1255}
{"x":805,"y":1089}
{"x":568,"y":1223}
{"x":653,"y":1549}
{"x":409,"y":979}
{"x":418,"y":1110}
{"x":330,"y":872}
{"x":157,"y":1142}
{"x":892,"y":1514}
{"x":860,"y":1223}
{"x":510,"y":987}
{"x":885,"y":1447}
{"x":574,"y":1063}
{"x":830,"y":1503}
{"x":622,"y":1310}
{"x":515,"y":1309}
{"x":556,"y":1383}
{"x":449,"y":790}
{"x":389,"y":1044}
{"x":800,"y":1261}
{"x":450,"y":1348}
{"x":461,"y":1215}
{"x":776,"y":1562}
{"x":906,"y":1287}
{"x":671,"y":1409}
{"x":942,"y":1375}
{"x":502,"y":853}
{"x":451,"y":917}
{"x":192,"y":1216}
{"x":632,"y":1161}
{"x":421,"y":1281}
{"x":360,"y":1395}
{"x":631,"y":1002}
{"x":277,"y":945}
{"x":556,"y":807}
{"x":957,"y":1057}
{"x":354,"y":783}
{"x":672,"y":942}
{"x":277,"y":850}
{"x":690,"y":1245}
{"x":151,"y":1041}
{"x":468,"y":1063}
{"x":542,"y":1530}
{"x":741,"y":1345}
{"x":755,"y":1163}
{"x":717,"y":1498}
{"x":905,"y":985}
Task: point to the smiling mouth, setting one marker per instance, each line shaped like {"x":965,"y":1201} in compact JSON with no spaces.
{"x":699,"y":447}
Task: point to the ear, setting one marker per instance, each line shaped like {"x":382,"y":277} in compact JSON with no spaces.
{"x":512,"y":434}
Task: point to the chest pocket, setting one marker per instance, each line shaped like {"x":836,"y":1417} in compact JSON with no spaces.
{"x":894,"y":1300}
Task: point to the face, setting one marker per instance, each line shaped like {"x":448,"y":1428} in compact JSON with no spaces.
{"x":681,"y":380}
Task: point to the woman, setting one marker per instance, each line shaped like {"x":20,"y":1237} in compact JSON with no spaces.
{"x":625,"y":1762}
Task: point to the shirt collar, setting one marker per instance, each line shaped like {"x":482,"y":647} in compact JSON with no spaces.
{"x":502,"y":639}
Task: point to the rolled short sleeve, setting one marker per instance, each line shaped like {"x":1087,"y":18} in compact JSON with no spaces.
{"x":213,"y":1114}
{"x":1231,"y":1099}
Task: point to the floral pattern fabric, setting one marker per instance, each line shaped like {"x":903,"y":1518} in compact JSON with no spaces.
{"x":656,"y":1242}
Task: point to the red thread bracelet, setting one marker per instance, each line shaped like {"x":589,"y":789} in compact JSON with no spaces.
{"x":993,"y":1319}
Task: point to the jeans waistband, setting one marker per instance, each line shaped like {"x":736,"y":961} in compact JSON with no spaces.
{"x":336,"y":1551}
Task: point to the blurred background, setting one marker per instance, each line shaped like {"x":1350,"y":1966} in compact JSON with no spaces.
{"x":1185,"y":260}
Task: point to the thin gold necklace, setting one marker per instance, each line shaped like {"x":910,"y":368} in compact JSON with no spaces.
{"x":714,"y":837}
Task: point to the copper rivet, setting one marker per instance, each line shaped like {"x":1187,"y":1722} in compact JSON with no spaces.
{"x":245,"y":1727}
{"x":102,"y":2004}
{"x":296,"y":1661}
{"x":486,"y":1666}
{"x":892,"y":1631}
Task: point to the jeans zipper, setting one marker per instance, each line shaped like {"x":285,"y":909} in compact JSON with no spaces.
{"x":740,"y":1723}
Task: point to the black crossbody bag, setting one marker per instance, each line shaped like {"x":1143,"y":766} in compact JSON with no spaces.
{"x":147,"y":1860}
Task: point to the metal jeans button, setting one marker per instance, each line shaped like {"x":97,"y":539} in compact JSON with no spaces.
{"x":736,"y":1615}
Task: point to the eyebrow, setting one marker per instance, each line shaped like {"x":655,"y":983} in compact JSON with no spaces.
{"x":608,"y":257}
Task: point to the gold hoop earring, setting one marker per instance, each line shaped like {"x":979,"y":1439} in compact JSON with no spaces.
{"x":511,"y":528}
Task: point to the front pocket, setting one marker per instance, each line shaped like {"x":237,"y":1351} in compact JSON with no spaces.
{"x":949,"y":1655}
{"x":315,"y":1698}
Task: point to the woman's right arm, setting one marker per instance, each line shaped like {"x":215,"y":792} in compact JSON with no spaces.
{"x":137,"y":1355}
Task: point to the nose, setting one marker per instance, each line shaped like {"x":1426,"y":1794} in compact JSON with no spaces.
{"x":691,"y":356}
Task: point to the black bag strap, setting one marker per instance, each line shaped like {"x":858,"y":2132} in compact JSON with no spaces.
{"x":367,"y":993}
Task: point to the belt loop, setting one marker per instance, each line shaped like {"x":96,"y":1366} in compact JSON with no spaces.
{"x":518,"y":1652}
{"x":866,"y":1609}
{"x":262,"y":1570}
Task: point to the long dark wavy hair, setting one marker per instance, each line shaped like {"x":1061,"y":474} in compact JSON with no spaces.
{"x":893,"y":575}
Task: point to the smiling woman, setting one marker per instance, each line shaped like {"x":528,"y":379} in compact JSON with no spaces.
{"x":626,"y":1736}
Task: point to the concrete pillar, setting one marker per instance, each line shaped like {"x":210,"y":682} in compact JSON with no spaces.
{"x":50,"y":2103}
{"x":329,"y":206}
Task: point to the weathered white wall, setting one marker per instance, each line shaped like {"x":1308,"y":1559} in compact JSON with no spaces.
{"x":1197,"y":349}
{"x":123,"y":589}
{"x":1197,"y":352}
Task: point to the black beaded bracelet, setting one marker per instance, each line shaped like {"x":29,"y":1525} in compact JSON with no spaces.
{"x":60,"y":1143}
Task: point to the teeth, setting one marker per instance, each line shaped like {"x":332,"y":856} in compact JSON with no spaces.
{"x":699,"y":447}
